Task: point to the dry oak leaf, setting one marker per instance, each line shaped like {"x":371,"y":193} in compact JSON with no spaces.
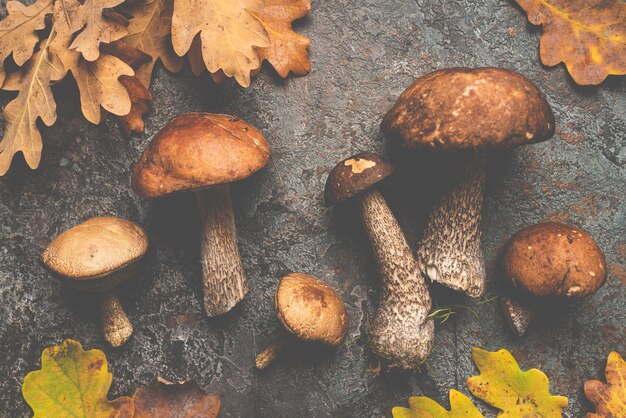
{"x":34,"y":101}
{"x":140,"y":98}
{"x":516,"y":393}
{"x":149,"y":31}
{"x":17,"y":31}
{"x":165,"y":399}
{"x":287,"y":51}
{"x":73,"y":382}
{"x":422,"y":407}
{"x":609,"y":398}
{"x":95,"y":25}
{"x":229,"y":32}
{"x":98,"y":81}
{"x":588,"y":36}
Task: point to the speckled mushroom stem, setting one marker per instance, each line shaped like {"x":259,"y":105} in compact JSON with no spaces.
{"x":401,"y":334}
{"x":116,"y":326}
{"x":518,"y":314}
{"x":225,"y":282}
{"x":451,"y":252}
{"x":269,"y":354}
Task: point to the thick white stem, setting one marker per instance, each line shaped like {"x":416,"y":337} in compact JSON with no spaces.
{"x":451,"y":252}
{"x":116,"y":326}
{"x":401,"y":334}
{"x":225,"y":282}
{"x":269,"y":354}
{"x":518,"y":314}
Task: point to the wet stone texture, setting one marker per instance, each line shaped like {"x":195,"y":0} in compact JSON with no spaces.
{"x":364,"y":53}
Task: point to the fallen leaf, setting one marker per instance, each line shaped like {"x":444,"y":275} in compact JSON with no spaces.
{"x":422,"y":407}
{"x":73,"y":382}
{"x":588,"y":36}
{"x":229,"y":33}
{"x":17,"y":31}
{"x":149,"y":31}
{"x":165,"y":399}
{"x":140,"y":98}
{"x":516,"y":393}
{"x":95,"y":25}
{"x":287,"y":51}
{"x":609,"y":398}
{"x":34,"y":101}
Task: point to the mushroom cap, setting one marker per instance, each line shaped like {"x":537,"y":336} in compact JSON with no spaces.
{"x":354,"y":175}
{"x":97,"y":254}
{"x":554,"y":259}
{"x":458,"y":109}
{"x":311,"y":309}
{"x":199,"y":150}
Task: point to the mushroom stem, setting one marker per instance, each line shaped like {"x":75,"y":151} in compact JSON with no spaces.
{"x":269,"y":354}
{"x":225,"y":282}
{"x":450,"y":252}
{"x":400,"y":333}
{"x":518,"y":314}
{"x":116,"y":326}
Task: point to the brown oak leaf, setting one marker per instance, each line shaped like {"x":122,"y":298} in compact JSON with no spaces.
{"x":165,"y":399}
{"x":287,"y":50}
{"x":34,"y":101}
{"x":149,"y":31}
{"x":229,"y":33}
{"x":609,"y":398}
{"x":17,"y":31}
{"x":140,"y":98}
{"x":588,"y":36}
{"x":95,"y":25}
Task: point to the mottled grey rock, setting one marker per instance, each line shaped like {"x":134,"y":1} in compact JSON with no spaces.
{"x":364,"y":53}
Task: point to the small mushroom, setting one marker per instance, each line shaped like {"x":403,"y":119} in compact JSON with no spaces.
{"x":401,"y":332}
{"x":311,"y":311}
{"x":97,"y":256}
{"x":549,"y":260}
{"x":465,"y":110}
{"x":203,"y":153}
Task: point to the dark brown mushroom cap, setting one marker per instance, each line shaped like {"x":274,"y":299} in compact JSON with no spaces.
{"x":554,"y":259}
{"x":97,"y":254}
{"x":354,"y":175}
{"x":311,"y":309}
{"x":199,"y":150}
{"x":458,"y":109}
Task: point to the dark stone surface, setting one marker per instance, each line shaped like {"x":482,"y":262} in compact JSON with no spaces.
{"x":364,"y":53}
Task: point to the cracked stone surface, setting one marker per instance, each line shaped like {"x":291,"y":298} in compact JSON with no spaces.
{"x":364,"y":53}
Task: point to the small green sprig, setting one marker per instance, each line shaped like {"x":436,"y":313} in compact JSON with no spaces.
{"x":445,"y":312}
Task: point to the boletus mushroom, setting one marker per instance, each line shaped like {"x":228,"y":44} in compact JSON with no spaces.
{"x":549,"y":260}
{"x":203,"y":153}
{"x":310,"y":310}
{"x":401,"y":333}
{"x":465,"y":111}
{"x":97,"y":256}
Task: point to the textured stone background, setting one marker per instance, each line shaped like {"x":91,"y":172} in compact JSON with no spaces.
{"x":364,"y":53}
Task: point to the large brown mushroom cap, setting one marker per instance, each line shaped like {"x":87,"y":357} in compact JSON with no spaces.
{"x":554,"y":259}
{"x":354,"y":175}
{"x":459,"y":109}
{"x":95,"y":254}
{"x":199,"y":150}
{"x":311,"y":309}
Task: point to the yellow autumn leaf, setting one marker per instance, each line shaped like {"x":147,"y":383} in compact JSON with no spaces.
{"x":73,"y":382}
{"x":34,"y":101}
{"x":229,"y":33}
{"x":17,"y":31}
{"x":609,"y":398}
{"x":516,"y":393}
{"x":422,"y":407}
{"x":96,"y":24}
{"x":588,"y":36}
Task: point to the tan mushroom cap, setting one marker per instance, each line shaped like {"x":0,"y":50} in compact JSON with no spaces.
{"x":311,"y":309}
{"x":458,"y":109}
{"x":95,"y":254}
{"x":199,"y":150}
{"x":554,"y":259}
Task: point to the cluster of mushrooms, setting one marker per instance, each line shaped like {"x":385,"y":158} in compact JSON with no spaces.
{"x":461,"y":111}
